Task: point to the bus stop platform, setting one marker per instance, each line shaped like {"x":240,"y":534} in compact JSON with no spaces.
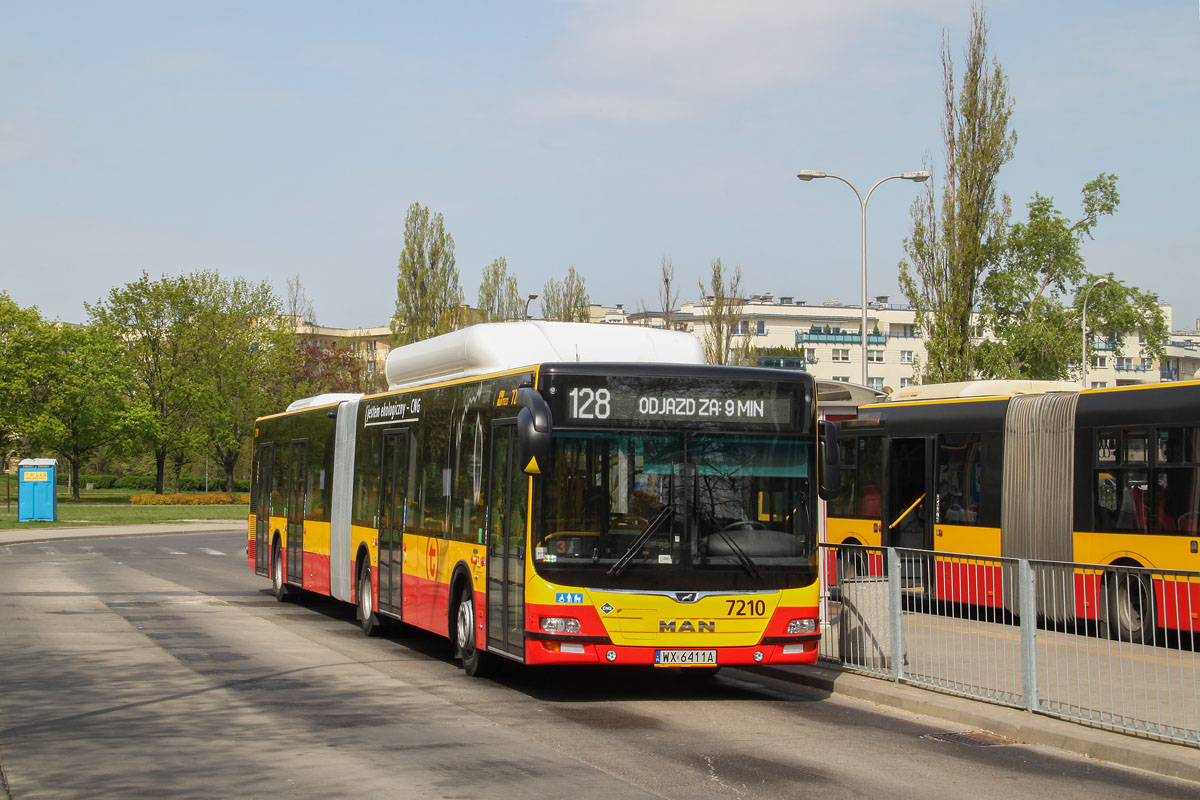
{"x":1020,"y":726}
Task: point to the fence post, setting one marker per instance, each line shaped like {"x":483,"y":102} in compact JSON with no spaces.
{"x":894,"y":614}
{"x":1027,"y":597}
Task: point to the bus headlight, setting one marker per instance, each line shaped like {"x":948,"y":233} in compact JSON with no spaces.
{"x":560,"y":625}
{"x":798,"y":626}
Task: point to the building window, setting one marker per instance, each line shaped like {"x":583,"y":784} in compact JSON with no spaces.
{"x":841,"y":354}
{"x":906,"y":382}
{"x":906,"y":356}
{"x":842,"y":378}
{"x":1099,"y":362}
{"x":875,"y":356}
{"x":1099,"y":384}
{"x":760,"y":327}
{"x":875,"y":383}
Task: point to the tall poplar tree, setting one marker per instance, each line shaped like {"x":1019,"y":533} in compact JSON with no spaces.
{"x":568,"y":300}
{"x":428,"y":296}
{"x":722,"y":300}
{"x":954,"y":241}
{"x":499,"y":296}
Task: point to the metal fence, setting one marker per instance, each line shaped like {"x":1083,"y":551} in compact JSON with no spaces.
{"x":1116,"y":647}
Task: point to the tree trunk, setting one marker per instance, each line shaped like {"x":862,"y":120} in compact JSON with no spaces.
{"x":160,"y":468}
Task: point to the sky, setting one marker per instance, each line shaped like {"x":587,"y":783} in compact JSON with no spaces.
{"x":274,"y":140}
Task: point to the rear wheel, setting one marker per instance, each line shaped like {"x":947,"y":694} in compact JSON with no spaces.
{"x":464,"y":633}
{"x":367,"y":617}
{"x":279,"y":585}
{"x":1130,"y":608}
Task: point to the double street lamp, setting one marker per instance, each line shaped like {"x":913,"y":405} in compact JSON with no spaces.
{"x":917,"y":177}
{"x":1100,"y":282}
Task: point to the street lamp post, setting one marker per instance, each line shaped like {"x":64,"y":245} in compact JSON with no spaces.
{"x":1101,"y":282}
{"x":917,"y":177}
{"x":528,"y":300}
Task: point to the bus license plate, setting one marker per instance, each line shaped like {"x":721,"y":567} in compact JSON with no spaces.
{"x":684,"y":658}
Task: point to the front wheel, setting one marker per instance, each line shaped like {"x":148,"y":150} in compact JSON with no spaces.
{"x":464,"y":634}
{"x":1130,"y":608}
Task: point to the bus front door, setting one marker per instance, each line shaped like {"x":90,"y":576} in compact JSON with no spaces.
{"x":906,"y":512}
{"x":262,"y":508}
{"x":507,"y":503}
{"x":392,"y":495}
{"x":297,"y":497}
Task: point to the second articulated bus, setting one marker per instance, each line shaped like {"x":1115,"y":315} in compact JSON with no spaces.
{"x":557,"y":493}
{"x":1107,"y":477}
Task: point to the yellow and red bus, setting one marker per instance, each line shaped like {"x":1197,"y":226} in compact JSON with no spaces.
{"x":1047,"y":472}
{"x":557,"y":493}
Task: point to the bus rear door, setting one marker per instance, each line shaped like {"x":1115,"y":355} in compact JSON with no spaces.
{"x":297,"y":497}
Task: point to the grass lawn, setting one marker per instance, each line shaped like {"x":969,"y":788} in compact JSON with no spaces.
{"x":112,"y":507}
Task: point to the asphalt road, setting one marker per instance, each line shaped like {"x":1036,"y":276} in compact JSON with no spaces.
{"x":161,"y":666}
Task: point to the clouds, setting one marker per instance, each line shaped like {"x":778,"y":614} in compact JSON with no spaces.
{"x":663,"y":60}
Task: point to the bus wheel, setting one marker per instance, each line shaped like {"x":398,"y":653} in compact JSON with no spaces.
{"x":1130,"y":608}
{"x":279,"y":585}
{"x":849,"y":567}
{"x":366,"y":612}
{"x":464,"y":633}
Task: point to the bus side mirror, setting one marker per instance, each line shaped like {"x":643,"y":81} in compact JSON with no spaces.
{"x":831,"y":462}
{"x":533,"y":431}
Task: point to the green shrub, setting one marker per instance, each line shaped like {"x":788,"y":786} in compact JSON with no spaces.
{"x":99,"y":481}
{"x":143,"y":482}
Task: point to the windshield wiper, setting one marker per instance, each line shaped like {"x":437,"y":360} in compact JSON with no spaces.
{"x":743,"y":559}
{"x":652,"y":527}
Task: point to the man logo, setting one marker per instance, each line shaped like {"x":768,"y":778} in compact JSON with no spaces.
{"x":686,"y":597}
{"x":686,"y":626}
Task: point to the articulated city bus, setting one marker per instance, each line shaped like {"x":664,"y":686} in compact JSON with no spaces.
{"x":1035,"y":471}
{"x":557,"y":493}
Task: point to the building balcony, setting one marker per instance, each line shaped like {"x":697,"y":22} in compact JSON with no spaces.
{"x":817,"y":337}
{"x":797,"y":363}
{"x":1132,"y":367}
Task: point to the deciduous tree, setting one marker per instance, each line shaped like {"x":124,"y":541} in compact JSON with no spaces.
{"x":1025,"y":300}
{"x":954,"y":241}
{"x":428,"y":296}
{"x":566,"y":301}
{"x":499,"y":296}
{"x":84,"y":403}
{"x":722,"y":302}
{"x":26,"y":348}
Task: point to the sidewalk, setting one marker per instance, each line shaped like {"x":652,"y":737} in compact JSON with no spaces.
{"x":1162,"y":758}
{"x":31,"y":534}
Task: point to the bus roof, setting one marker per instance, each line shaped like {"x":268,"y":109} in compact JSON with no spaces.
{"x":970,"y":389}
{"x":502,"y":346}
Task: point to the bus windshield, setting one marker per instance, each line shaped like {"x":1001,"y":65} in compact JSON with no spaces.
{"x":679,"y":511}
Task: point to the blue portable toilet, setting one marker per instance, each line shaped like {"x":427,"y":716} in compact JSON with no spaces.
{"x":37,"y":499}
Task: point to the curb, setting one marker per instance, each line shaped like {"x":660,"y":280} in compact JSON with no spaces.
{"x":1160,"y":757}
{"x":11,"y":536}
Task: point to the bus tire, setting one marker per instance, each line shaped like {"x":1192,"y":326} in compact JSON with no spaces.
{"x":367,"y":617}
{"x":1130,"y":608}
{"x":279,"y":586}
{"x":464,"y":633}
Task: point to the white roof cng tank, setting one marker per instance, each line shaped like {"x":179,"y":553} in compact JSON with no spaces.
{"x":501,"y":346}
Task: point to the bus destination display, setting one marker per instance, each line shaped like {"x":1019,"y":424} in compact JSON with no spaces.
{"x":630,"y":400}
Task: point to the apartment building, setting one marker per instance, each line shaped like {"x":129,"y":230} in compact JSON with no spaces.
{"x":825,"y":341}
